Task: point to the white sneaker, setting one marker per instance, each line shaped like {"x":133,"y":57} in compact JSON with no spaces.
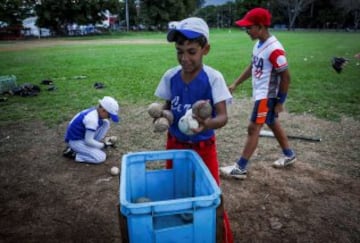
{"x":233,"y":171}
{"x":284,"y":162}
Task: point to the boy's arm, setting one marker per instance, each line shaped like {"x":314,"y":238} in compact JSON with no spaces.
{"x":91,"y":141}
{"x":244,"y":76}
{"x":284,"y":82}
{"x":283,"y":90}
{"x":167,"y":105}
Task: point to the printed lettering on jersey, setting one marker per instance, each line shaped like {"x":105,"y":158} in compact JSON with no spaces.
{"x":258,"y":65}
{"x":177,"y":106}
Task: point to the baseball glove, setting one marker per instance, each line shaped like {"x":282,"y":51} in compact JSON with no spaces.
{"x":338,"y":63}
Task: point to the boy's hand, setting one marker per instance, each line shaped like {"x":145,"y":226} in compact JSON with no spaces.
{"x":110,"y":141}
{"x":202,"y":124}
{"x":279,"y":108}
{"x":232,"y":88}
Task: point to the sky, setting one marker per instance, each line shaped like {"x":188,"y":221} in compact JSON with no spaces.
{"x":216,"y":2}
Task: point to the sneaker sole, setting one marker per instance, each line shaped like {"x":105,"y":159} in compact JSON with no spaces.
{"x":239,"y":177}
{"x":290,"y":162}
{"x":285,"y":165}
{"x":225,"y":172}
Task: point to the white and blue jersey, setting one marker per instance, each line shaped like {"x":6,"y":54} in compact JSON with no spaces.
{"x":268,"y":60}
{"x":209,"y":84}
{"x":85,"y":120}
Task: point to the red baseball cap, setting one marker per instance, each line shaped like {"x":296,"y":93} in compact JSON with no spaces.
{"x":256,"y":16}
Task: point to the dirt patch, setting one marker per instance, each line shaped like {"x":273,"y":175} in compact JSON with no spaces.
{"x":48,"y":198}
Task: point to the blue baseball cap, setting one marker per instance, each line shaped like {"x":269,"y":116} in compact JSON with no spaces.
{"x":191,"y":28}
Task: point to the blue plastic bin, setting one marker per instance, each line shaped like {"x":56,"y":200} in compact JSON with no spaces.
{"x":183,"y":199}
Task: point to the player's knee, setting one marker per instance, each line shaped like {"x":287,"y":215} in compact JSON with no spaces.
{"x":100,"y":157}
{"x":253,"y":129}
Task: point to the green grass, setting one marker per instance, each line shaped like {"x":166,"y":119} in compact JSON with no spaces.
{"x":131,"y":72}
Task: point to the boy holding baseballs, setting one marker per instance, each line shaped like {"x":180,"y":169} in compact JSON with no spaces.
{"x":270,"y":81}
{"x":182,"y":86}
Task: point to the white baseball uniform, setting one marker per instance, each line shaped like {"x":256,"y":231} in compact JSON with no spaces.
{"x":84,"y":133}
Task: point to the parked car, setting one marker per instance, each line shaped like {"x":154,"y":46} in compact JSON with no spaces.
{"x":31,"y":29}
{"x":3,"y":24}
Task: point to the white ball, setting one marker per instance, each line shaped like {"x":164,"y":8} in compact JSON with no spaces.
{"x":183,"y":124}
{"x":186,"y":123}
{"x":193,"y":123}
{"x":114,"y":171}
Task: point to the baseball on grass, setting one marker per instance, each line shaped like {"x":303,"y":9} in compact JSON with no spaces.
{"x":114,"y":171}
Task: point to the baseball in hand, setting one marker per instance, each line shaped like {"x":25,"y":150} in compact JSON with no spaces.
{"x":193,"y":123}
{"x":161,"y":124}
{"x":114,"y":171}
{"x":155,"y":110}
{"x":202,"y":109}
{"x":168,"y":115}
{"x":113,"y":139}
{"x":187,"y":122}
{"x":110,"y":141}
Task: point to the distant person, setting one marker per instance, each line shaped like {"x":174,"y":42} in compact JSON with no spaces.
{"x":86,"y":132}
{"x":193,"y":81}
{"x":270,"y":80}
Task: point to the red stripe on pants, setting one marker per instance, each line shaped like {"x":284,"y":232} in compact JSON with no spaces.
{"x":262,"y":111}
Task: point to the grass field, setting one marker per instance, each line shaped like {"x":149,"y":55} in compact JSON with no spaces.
{"x":131,"y":72}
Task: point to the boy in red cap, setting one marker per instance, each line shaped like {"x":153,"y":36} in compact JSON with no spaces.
{"x":270,"y":81}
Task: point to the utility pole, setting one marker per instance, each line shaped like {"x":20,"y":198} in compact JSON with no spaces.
{"x":127,"y":15}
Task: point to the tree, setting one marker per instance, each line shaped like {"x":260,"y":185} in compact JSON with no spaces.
{"x":14,"y":11}
{"x":351,"y":7}
{"x":200,"y":3}
{"x":56,"y":15}
{"x":160,"y":12}
{"x":293,"y":8}
{"x":243,"y":6}
{"x":225,"y":15}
